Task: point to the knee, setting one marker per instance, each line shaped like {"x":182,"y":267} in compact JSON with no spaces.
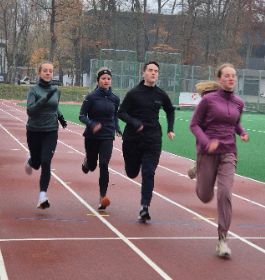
{"x":131,"y":173}
{"x":205,"y":198}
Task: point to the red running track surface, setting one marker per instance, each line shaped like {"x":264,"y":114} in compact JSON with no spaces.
{"x":71,"y":240}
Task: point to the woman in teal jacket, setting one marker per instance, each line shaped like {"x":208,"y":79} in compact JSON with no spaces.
{"x":42,"y":128}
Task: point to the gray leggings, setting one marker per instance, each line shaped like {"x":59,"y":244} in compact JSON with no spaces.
{"x":220,"y":168}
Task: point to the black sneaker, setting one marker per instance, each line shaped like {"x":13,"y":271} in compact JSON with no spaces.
{"x":85,"y":168}
{"x":144,"y":215}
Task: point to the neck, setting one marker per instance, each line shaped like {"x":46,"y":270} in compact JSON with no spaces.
{"x":149,"y":84}
{"x":44,"y":83}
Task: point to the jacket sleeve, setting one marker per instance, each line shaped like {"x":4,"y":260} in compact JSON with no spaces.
{"x":197,"y":122}
{"x":239,"y":129}
{"x":123,"y":112}
{"x":34,"y":102}
{"x":117,"y":126}
{"x":59,"y":113}
{"x":170,"y":112}
{"x":84,"y":112}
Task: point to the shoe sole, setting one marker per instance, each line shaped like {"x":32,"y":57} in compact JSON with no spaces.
{"x":45,"y":204}
{"x":143,"y":219}
{"x":224,"y":256}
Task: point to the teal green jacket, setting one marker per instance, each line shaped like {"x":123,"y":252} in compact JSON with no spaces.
{"x":43,"y":113}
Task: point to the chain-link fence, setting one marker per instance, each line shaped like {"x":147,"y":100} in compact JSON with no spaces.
{"x":176,"y":78}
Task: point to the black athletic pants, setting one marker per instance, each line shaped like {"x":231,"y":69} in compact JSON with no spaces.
{"x":42,"y":146}
{"x":138,"y":155}
{"x":99,"y":150}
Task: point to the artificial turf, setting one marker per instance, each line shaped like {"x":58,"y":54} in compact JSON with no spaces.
{"x":251,"y":154}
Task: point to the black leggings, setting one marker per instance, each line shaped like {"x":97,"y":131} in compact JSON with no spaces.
{"x":102,"y":150}
{"x":42,"y":146}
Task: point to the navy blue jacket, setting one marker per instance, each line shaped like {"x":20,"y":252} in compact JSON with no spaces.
{"x":100,"y":106}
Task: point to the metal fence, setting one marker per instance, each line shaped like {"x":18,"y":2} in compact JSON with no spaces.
{"x":176,"y":78}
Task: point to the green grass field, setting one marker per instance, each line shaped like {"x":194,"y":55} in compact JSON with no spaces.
{"x":251,"y":155}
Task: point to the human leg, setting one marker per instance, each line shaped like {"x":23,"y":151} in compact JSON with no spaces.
{"x":105,"y":151}
{"x":91,"y":158}
{"x":132,"y":158}
{"x":207,"y":166}
{"x":34,"y":145}
{"x":150,"y":160}
{"x":225,"y":180}
{"x":49,"y":142}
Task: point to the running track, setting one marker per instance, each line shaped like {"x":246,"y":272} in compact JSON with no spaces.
{"x":71,"y":240}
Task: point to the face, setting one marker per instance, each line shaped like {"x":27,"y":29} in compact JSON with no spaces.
{"x":105,"y":81}
{"x":150,"y":74}
{"x":46,"y":72}
{"x":228,"y":78}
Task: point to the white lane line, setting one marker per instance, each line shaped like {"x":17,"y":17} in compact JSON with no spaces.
{"x":233,"y":194}
{"x":258,"y":248}
{"x":3,"y":274}
{"x":188,"y":238}
{"x":140,"y":253}
{"x":164,"y":152}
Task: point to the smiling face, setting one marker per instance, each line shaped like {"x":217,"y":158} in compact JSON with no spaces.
{"x":46,"y":72}
{"x":227,"y":79}
{"x":150,"y":74}
{"x":105,"y":81}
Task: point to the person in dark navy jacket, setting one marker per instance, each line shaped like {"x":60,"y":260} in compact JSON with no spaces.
{"x":99,"y":114}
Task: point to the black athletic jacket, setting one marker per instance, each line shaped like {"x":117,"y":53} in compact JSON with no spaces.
{"x":141,"y":106}
{"x":100,"y":106}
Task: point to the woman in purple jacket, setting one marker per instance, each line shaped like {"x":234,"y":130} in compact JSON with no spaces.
{"x":214,"y":123}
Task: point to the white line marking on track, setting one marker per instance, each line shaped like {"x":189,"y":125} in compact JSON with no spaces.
{"x":3,"y":274}
{"x":258,"y":248}
{"x":140,"y":253}
{"x":188,"y":238}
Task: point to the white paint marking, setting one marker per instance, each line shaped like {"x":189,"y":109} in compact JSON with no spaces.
{"x":151,"y":263}
{"x":188,"y":238}
{"x":258,"y":248}
{"x":3,"y":274}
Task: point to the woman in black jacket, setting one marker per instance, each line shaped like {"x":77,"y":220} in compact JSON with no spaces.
{"x":99,"y":114}
{"x":42,"y":128}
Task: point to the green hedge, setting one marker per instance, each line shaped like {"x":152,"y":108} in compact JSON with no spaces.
{"x":16,"y":92}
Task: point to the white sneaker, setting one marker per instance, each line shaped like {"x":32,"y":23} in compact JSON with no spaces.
{"x":28,"y":168}
{"x":222,"y":249}
{"x":43,"y":202}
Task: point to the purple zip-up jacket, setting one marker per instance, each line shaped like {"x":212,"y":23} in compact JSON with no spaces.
{"x":217,"y":117}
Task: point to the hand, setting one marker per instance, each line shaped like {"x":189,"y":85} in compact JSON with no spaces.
{"x":213,"y":146}
{"x":96,"y":128}
{"x":171,"y":135}
{"x":140,"y":128}
{"x":244,"y":137}
{"x":51,"y":92}
{"x":62,"y":121}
